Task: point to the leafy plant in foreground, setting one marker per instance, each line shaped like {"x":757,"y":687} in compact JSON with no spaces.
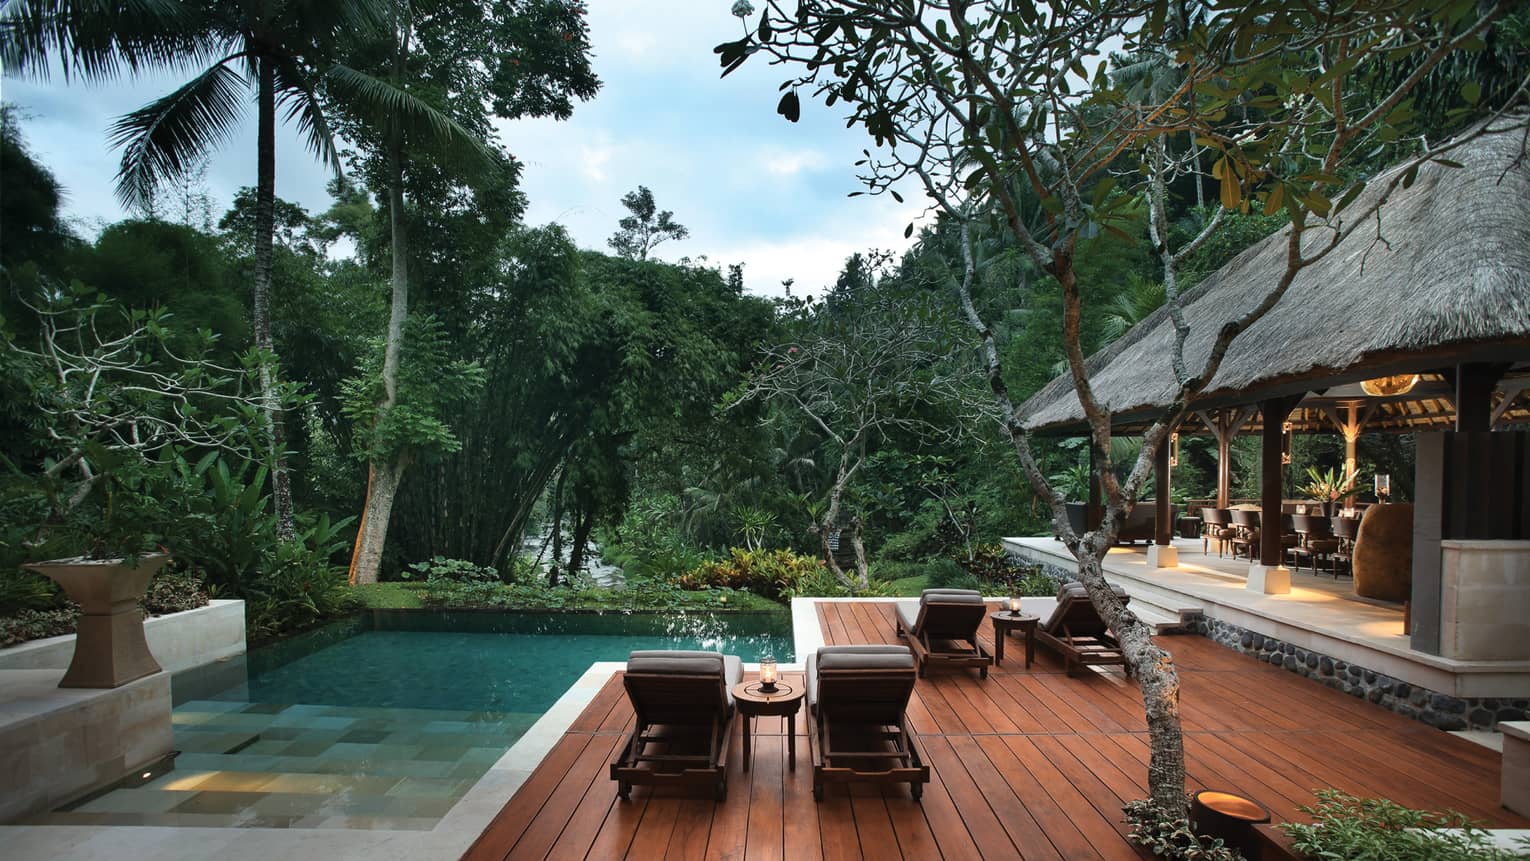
{"x":1376,"y":829}
{"x":1174,"y":837}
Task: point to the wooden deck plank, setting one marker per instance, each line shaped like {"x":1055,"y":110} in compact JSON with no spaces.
{"x":766,"y":838}
{"x":1098,"y":830}
{"x":557,"y":811}
{"x":1024,"y":764}
{"x":988,"y":833}
{"x":507,"y":827}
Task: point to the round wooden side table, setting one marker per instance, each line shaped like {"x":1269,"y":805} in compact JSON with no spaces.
{"x":783,"y":702}
{"x":1003,"y":623}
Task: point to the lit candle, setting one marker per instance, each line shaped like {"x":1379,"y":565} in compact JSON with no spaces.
{"x":768,"y":674}
{"x":1014,"y":606}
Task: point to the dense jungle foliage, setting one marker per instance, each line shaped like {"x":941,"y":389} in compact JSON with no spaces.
{"x":549,"y":399}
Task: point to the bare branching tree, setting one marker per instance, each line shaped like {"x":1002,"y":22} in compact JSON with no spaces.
{"x":857,"y":381}
{"x":115,"y":386}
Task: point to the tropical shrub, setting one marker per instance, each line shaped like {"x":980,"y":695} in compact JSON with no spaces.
{"x":1172,"y":837}
{"x":647,"y":543}
{"x":296,"y":585}
{"x":1375,"y":829}
{"x":948,"y":574}
{"x":20,"y":590}
{"x":440,"y":568}
{"x":174,"y":592}
{"x":771,"y":573}
{"x":24,"y":625}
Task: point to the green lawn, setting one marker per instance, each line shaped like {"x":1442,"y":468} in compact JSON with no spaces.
{"x":909,"y":586}
{"x":388,"y":596}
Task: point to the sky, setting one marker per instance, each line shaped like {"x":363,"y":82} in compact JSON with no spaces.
{"x":751,"y":187}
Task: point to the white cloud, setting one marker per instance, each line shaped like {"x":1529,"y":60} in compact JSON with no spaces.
{"x":593,"y":159}
{"x":814,"y":259}
{"x":791,"y":163}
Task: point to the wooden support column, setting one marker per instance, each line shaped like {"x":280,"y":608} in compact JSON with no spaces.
{"x":1475,"y":382}
{"x":1270,"y":575}
{"x":1224,"y":425}
{"x":1162,"y":554}
{"x":1357,"y":415}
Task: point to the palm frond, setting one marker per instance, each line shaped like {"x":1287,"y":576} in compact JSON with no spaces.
{"x":383,"y":104}
{"x":304,"y":110}
{"x":166,"y":137}
{"x":97,"y":39}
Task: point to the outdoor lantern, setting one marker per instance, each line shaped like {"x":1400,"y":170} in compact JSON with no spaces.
{"x":768,"y":674}
{"x":1174,"y":449}
{"x":1398,"y":384}
{"x":1285,"y":443}
{"x":1014,"y":605}
{"x":1383,"y":486}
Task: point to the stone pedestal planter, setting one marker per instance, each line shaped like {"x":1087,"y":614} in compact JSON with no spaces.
{"x":110,"y":649}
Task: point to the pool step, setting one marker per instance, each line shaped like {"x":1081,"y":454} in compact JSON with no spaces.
{"x":243,"y":764}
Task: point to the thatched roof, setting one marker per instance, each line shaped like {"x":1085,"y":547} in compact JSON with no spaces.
{"x":1441,"y":275}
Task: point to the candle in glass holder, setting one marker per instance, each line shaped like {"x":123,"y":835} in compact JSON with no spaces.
{"x":1383,"y":486}
{"x":1014,"y":606}
{"x":768,"y":674}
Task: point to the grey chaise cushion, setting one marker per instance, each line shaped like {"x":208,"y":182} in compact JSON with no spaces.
{"x":1075,"y":589}
{"x":728,"y":669}
{"x":909,"y":611}
{"x":879,"y":657}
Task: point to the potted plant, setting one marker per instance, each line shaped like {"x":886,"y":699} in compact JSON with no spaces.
{"x":118,"y":523}
{"x":1328,"y":487}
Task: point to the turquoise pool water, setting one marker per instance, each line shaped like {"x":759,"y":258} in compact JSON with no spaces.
{"x":503,"y":662}
{"x":385,"y":720}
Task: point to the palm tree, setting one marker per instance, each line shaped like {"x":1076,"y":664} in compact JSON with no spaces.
{"x":284,"y":50}
{"x":1131,"y":306}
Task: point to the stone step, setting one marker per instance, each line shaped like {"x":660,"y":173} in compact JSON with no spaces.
{"x":1170,"y":601}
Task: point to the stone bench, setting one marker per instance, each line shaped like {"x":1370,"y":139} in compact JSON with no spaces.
{"x":1515,"y":789}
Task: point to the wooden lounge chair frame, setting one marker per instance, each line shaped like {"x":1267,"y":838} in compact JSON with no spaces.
{"x":941,"y":629}
{"x":874,"y":702}
{"x":665,"y":704}
{"x":1077,"y":633}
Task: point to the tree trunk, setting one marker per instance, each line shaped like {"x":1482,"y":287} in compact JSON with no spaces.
{"x":862,"y":570}
{"x":1153,"y":667}
{"x":265,"y":228}
{"x":584,"y":521}
{"x":557,"y":528}
{"x":382,"y":487}
{"x":1157,"y":679}
{"x":373,"y":535}
{"x":831,"y":514}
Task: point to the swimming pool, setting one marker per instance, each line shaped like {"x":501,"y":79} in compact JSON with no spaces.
{"x":385,"y":719}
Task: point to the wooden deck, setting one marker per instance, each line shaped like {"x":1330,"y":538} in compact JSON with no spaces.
{"x":1025,"y":765}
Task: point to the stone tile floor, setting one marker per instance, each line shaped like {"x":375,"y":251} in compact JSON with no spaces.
{"x":309,"y":766}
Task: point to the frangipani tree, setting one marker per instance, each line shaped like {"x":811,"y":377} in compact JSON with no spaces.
{"x":891,"y":365}
{"x":1009,"y":117}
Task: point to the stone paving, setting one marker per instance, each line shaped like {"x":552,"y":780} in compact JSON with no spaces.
{"x":309,"y":766}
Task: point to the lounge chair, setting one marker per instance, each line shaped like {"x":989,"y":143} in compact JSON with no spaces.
{"x":683,"y":702}
{"x":857,"y":729}
{"x":939,"y":623}
{"x":1077,"y":633}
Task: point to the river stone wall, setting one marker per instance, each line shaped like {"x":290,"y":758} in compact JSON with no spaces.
{"x":1431,"y":707}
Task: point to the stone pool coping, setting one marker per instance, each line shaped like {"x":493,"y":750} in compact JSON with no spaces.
{"x":178,"y":641}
